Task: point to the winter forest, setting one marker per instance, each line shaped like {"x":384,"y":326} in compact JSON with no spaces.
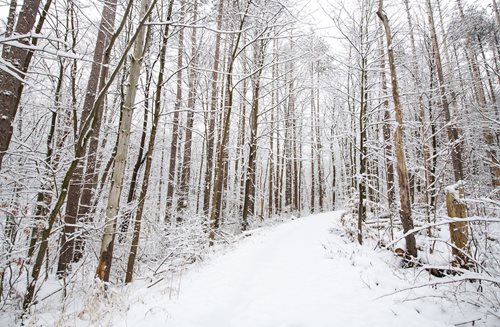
{"x":312,"y":155}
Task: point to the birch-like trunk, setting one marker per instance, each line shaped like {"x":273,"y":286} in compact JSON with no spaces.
{"x":149,"y":153}
{"x":113,"y":206}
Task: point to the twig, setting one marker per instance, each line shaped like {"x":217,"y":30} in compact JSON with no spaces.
{"x":461,"y":279}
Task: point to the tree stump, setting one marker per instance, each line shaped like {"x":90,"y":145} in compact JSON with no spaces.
{"x":459,"y":231}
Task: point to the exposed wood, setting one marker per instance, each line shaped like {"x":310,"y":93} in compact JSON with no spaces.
{"x":404,"y":191}
{"x":459,"y":231}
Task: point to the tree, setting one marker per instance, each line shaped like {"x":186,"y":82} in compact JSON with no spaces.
{"x":172,"y":167}
{"x":98,"y":73}
{"x":185,"y":170}
{"x":113,"y":206}
{"x":228,"y":106}
{"x":12,"y":75}
{"x":149,"y":153}
{"x":404,"y":191}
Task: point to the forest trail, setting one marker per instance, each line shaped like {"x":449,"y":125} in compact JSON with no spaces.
{"x":299,"y":273}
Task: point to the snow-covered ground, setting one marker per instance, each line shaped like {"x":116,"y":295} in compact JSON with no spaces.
{"x":299,"y":273}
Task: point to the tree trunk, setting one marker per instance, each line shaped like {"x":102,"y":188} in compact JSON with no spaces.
{"x":363,"y":153}
{"x":76,"y":186}
{"x":405,"y":213}
{"x":313,"y":142}
{"x":319,"y":146}
{"x":459,"y":231}
{"x":183,"y":200}
{"x":249,"y":196}
{"x":10,"y":80}
{"x":172,"y":166}
{"x":211,"y":115}
{"x":149,"y":153}
{"x":386,"y":130}
{"x":112,"y":208}
{"x":219,"y":171}
{"x":478,"y":86}
{"x":127,"y":217}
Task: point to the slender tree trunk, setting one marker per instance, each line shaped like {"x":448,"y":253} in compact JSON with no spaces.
{"x":211,"y":115}
{"x":297,"y":166}
{"x":76,"y":186}
{"x":386,"y":130}
{"x":112,"y":208}
{"x":288,"y":143}
{"x":186,"y":163}
{"x":405,"y":213}
{"x":127,"y":217}
{"x":363,"y":153}
{"x":272,"y":186}
{"x":319,"y":146}
{"x":313,"y":142}
{"x":250,"y":183}
{"x":334,"y":170}
{"x":219,"y":171}
{"x":478,"y":86}
{"x":172,"y":167}
{"x":149,"y":153}
{"x":453,"y":134}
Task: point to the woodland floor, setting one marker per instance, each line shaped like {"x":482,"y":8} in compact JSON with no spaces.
{"x":299,"y":273}
{"x":303,"y":272}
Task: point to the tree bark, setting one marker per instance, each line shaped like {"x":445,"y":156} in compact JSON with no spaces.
{"x":453,"y":134}
{"x":11,"y":81}
{"x":459,"y":231}
{"x":405,"y":213}
{"x":386,"y":131}
{"x":219,"y":171}
{"x":149,"y":153}
{"x":172,"y":167}
{"x":112,"y":208}
{"x":76,"y":186}
{"x":250,"y":183}
{"x":211,"y":115}
{"x":183,"y":200}
{"x":363,"y":153}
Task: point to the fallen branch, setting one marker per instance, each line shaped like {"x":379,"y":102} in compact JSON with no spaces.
{"x":468,"y":277}
{"x":445,"y":222}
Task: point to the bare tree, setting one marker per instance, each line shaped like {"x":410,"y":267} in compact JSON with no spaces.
{"x":75,"y":191}
{"x":404,"y":190}
{"x":13,"y":74}
{"x":149,"y":153}
{"x":113,"y":206}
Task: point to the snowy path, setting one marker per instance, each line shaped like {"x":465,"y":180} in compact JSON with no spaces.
{"x":284,"y":276}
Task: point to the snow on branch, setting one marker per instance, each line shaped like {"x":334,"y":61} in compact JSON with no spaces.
{"x":443,"y":222}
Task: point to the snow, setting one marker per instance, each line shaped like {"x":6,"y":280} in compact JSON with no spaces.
{"x":299,"y":273}
{"x":304,"y":272}
{"x":454,"y":189}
